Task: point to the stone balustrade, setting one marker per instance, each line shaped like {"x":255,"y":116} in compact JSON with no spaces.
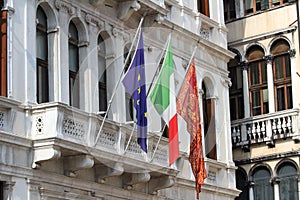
{"x":265,"y":128}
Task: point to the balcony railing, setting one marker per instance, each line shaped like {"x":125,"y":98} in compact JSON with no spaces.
{"x":265,"y":128}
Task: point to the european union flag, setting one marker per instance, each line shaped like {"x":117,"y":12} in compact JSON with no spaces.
{"x":134,"y":82}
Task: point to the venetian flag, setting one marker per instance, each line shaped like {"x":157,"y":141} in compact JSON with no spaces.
{"x":164,"y":100}
{"x":188,"y":108}
{"x":134,"y":83}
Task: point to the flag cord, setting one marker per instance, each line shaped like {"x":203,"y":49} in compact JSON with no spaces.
{"x":118,"y":83}
{"x":156,"y":147}
{"x":129,"y":140}
{"x":157,"y":66}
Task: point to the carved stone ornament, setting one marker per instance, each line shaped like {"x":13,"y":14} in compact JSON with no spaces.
{"x":127,"y":8}
{"x":64,"y":7}
{"x":292,"y":53}
{"x":269,"y":59}
{"x":244,"y":65}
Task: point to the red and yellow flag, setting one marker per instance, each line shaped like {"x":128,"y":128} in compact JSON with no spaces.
{"x":188,"y":108}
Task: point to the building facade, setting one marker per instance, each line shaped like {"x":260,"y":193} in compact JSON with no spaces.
{"x":264,"y":98}
{"x":60,"y":63}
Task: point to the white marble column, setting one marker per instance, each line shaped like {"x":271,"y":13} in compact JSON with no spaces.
{"x":275,"y":182}
{"x":251,"y":190}
{"x":246,"y":89}
{"x":270,"y":83}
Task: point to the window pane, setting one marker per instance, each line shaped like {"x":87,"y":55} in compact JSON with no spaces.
{"x":256,"y":102}
{"x":42,"y":84}
{"x":289,"y":96}
{"x":287,"y":65}
{"x":102,"y":97}
{"x":249,"y":5}
{"x":41,"y":45}
{"x":280,"y":98}
{"x":74,"y":91}
{"x":232,"y":109}
{"x":278,"y":68}
{"x":241,"y":107}
{"x":264,"y":71}
{"x":254,"y":72}
{"x":73,"y":58}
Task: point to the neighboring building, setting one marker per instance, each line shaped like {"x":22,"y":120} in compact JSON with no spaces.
{"x":264,"y":97}
{"x":60,"y":62}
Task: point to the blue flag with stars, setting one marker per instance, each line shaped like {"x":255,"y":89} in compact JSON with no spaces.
{"x":134,"y":83}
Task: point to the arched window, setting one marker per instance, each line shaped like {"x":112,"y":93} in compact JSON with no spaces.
{"x":73,"y":66}
{"x":288,"y":185}
{"x":257,"y":72}
{"x":42,"y":57}
{"x":282,"y":75}
{"x":236,"y":90}
{"x":209,"y":124}
{"x":128,"y":99}
{"x":3,"y":52}
{"x":263,"y":189}
{"x":242,"y":184}
{"x":203,"y":7}
{"x":102,"y":74}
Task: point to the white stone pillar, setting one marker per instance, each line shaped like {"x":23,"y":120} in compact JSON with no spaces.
{"x":275,"y":182}
{"x":246,"y":89}
{"x":63,"y":58}
{"x":114,"y":66}
{"x":270,"y":83}
{"x":91,"y":74}
{"x":251,"y":190}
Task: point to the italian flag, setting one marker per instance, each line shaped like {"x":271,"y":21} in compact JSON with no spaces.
{"x":163,"y":97}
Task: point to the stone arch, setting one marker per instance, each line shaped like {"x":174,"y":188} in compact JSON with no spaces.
{"x":82,"y":30}
{"x":274,"y":40}
{"x":237,"y":52}
{"x":209,"y":83}
{"x":255,"y":167}
{"x":51,"y":15}
{"x":283,"y":161}
{"x":254,"y":45}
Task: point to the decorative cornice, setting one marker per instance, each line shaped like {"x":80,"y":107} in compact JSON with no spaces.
{"x":61,"y":6}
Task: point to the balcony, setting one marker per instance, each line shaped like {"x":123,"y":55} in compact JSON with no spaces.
{"x":60,"y":132}
{"x":265,"y":129}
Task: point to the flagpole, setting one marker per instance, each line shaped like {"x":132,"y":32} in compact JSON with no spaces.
{"x":190,"y":61}
{"x":157,"y":72}
{"x":118,"y":83}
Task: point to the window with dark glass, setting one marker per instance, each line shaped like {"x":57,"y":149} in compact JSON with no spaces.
{"x":236,"y":90}
{"x":252,"y":6}
{"x":203,"y":7}
{"x":282,"y":75}
{"x":288,"y":181}
{"x":3,"y":52}
{"x":42,"y":56}
{"x":257,"y":72}
{"x":102,"y":75}
{"x":128,"y":98}
{"x":242,"y":184}
{"x":209,"y":125}
{"x":73,"y":66}
{"x":263,"y":189}
{"x":229,"y":9}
